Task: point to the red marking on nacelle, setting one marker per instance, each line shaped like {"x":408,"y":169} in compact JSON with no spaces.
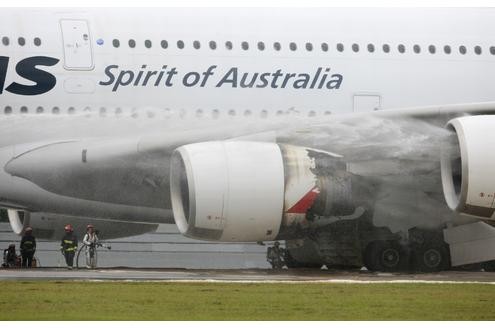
{"x":305,"y":203}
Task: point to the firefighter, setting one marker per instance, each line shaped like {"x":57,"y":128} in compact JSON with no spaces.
{"x":275,"y":256}
{"x":91,"y":242}
{"x":68,"y":246}
{"x":28,"y":248}
{"x":9,"y":257}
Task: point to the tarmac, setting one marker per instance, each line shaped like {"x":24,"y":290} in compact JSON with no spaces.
{"x":243,"y":276}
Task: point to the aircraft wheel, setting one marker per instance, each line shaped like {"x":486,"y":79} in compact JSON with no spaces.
{"x":489,"y":266}
{"x":432,"y":258}
{"x":292,"y":263}
{"x":384,"y":256}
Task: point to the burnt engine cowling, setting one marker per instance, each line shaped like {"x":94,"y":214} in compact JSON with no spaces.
{"x":51,"y":226}
{"x":467,"y":164}
{"x":254,"y":191}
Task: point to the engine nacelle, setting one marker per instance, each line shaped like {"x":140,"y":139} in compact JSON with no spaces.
{"x":247,"y":191}
{"x":51,"y":226}
{"x":467,"y":164}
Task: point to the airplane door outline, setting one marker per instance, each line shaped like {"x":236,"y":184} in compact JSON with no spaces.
{"x":366,"y":102}
{"x":76,"y":39}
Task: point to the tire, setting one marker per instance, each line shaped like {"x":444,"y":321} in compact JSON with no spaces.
{"x":385,"y":256}
{"x":432,"y":258}
{"x":489,"y":266}
{"x":292,"y":263}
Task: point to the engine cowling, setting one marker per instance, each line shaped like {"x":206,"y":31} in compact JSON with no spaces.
{"x":51,"y":226}
{"x":467,"y":165}
{"x":249,"y":191}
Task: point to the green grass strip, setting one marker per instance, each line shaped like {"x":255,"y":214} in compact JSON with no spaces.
{"x":67,"y":300}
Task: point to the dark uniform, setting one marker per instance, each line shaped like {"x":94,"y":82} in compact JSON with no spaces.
{"x":69,"y":247}
{"x":276,"y":256}
{"x":9,"y":257}
{"x":28,"y":248}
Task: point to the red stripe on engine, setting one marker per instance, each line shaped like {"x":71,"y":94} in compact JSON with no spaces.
{"x":305,"y":203}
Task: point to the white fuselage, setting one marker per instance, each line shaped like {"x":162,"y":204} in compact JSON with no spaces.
{"x":87,"y":72}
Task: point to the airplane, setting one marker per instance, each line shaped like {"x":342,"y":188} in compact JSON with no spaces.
{"x":360,"y":136}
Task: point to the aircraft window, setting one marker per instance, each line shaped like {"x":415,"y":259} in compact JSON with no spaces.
{"x":56,"y":110}
{"x":386,"y":48}
{"x":21,"y":41}
{"x":277,"y":46}
{"x":309,"y":46}
{"x":147,"y":44}
{"x":462,"y":50}
{"x":324,"y":47}
{"x":164,"y":44}
{"x":401,"y":48}
{"x":432,"y":49}
{"x":293,"y":46}
{"x":355,"y":47}
{"x":199,"y":113}
{"x":132,"y":43}
{"x":5,"y":41}
{"x":447,"y":50}
{"x":477,"y":50}
{"x":340,"y":47}
{"x":244,"y":45}
{"x":311,"y":113}
{"x":196,"y":44}
{"x":103,"y":111}
{"x":215,"y":113}
{"x":232,"y":112}
{"x":87,"y":109}
{"x":71,"y":110}
{"x":327,"y":112}
{"x":279,"y":113}
{"x":229,"y":45}
{"x":37,"y":42}
{"x":261,"y":46}
{"x":24,"y":110}
{"x":247,"y":112}
{"x":180,"y":44}
{"x":264,"y":113}
{"x":371,"y":47}
{"x":118,"y":111}
{"x":39,"y":110}
{"x":213,"y":45}
{"x":116,"y":43}
{"x":7,"y":110}
{"x":416,"y":49}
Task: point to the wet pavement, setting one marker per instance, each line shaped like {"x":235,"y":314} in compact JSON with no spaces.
{"x":245,"y":275}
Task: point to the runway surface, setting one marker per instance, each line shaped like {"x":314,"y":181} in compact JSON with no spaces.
{"x":255,"y":275}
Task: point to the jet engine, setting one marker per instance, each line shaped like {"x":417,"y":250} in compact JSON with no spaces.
{"x":254,"y":191}
{"x":51,"y":226}
{"x":467,"y":163}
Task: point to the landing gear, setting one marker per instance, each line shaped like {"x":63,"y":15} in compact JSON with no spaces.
{"x":302,"y":253}
{"x":431,"y":258}
{"x":292,"y":263}
{"x":489,"y":266}
{"x":354,"y":243}
{"x":386,"y":256}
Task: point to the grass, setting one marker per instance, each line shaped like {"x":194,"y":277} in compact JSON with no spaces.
{"x":66,"y":300}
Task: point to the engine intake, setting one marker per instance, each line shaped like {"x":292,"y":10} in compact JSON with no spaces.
{"x":467,"y":165}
